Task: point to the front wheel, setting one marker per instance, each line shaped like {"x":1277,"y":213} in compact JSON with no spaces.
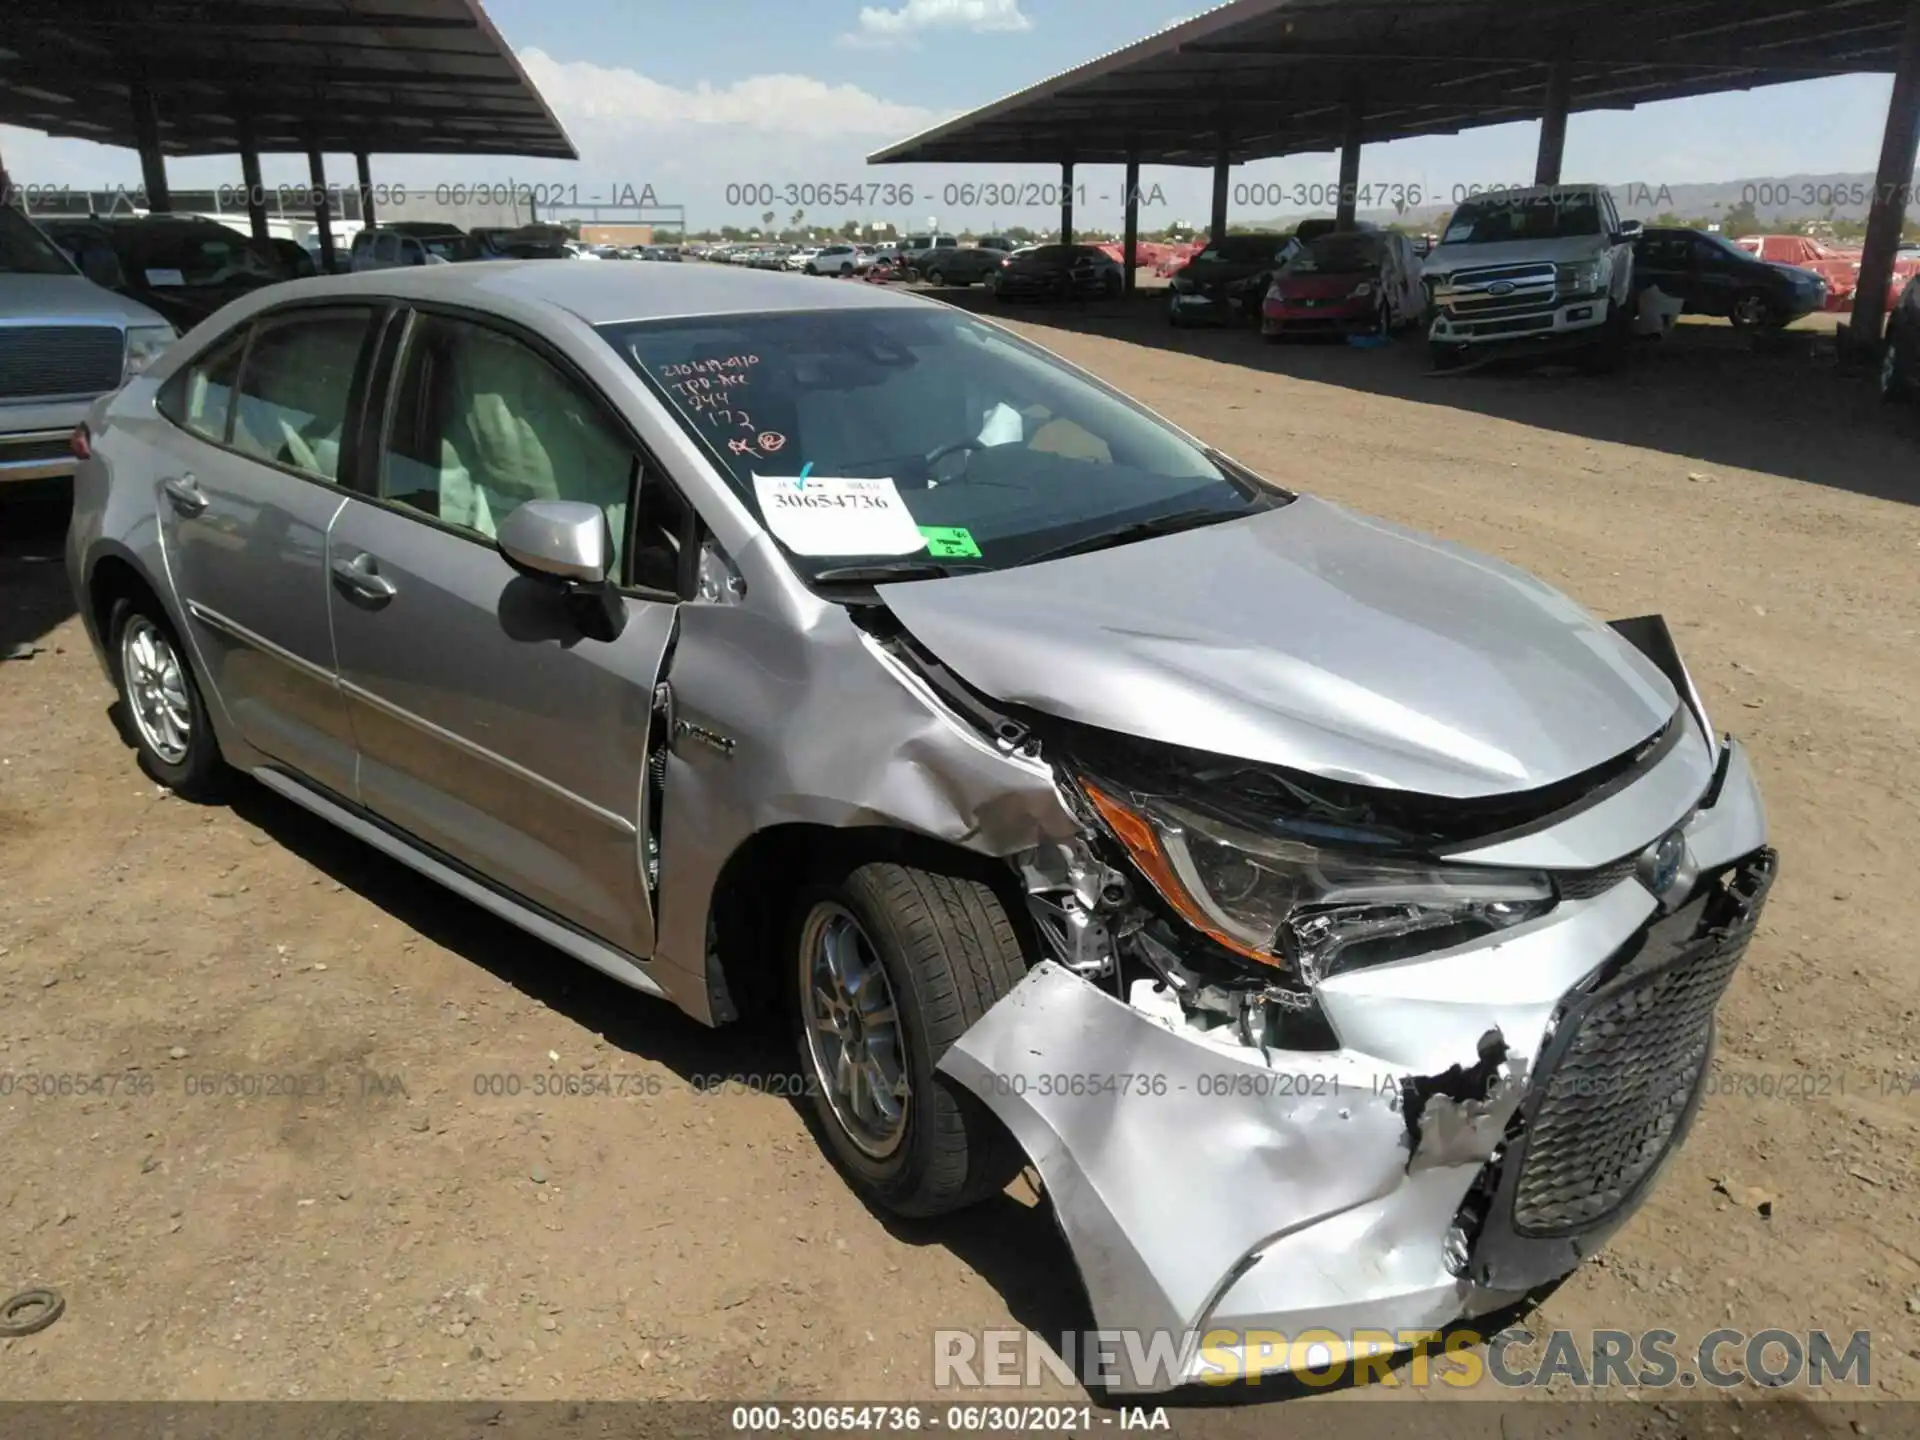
{"x":890,"y":966}
{"x":936,"y":277}
{"x":1754,"y":311}
{"x":1894,"y":382}
{"x":166,"y":718}
{"x":1447,"y":355}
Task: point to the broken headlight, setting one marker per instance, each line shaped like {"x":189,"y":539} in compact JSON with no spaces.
{"x":1306,"y":906}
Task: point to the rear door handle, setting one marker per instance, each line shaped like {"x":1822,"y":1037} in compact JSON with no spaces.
{"x":361,"y":574}
{"x":183,"y":492}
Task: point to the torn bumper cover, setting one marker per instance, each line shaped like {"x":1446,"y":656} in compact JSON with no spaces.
{"x":1488,"y":1117}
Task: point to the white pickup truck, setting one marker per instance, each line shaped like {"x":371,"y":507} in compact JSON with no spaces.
{"x":1542,"y":268}
{"x":64,"y":341}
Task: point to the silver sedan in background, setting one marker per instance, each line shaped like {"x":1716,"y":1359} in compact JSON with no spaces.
{"x":1334,"y":917}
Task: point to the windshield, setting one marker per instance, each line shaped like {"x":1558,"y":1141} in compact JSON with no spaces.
{"x":920,"y":433}
{"x":1243,"y":249}
{"x":452,"y":247}
{"x":1338,"y":255}
{"x":1539,"y":217}
{"x":24,"y":250}
{"x":193,"y":256}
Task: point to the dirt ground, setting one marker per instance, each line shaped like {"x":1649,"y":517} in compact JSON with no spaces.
{"x":377,"y":1227}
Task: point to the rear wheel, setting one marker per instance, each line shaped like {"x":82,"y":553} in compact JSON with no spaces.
{"x":166,"y":718}
{"x":889,"y":966}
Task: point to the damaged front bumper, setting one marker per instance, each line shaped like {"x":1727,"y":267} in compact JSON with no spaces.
{"x":1485,"y":1118}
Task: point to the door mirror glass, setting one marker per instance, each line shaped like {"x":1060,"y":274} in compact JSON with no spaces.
{"x":1628,"y":229}
{"x":565,"y":539}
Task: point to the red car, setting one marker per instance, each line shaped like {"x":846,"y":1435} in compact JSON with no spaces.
{"x":1351,"y":282}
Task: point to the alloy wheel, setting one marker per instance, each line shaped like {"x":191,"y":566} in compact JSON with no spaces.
{"x":156,"y":686}
{"x":853,"y":1030}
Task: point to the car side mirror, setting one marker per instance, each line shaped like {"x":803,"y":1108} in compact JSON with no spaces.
{"x":1629,"y":230}
{"x":570,"y":543}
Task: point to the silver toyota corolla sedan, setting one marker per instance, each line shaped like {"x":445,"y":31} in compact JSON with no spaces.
{"x":1333,"y":917}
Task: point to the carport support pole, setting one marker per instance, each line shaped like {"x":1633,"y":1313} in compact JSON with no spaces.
{"x":146,"y":139}
{"x":1222,"y":174}
{"x":1066,"y":202}
{"x":317,"y":176}
{"x":366,"y":188}
{"x":1348,"y":202}
{"x":1553,"y":125}
{"x":1132,"y":251}
{"x":1892,"y":190}
{"x":256,"y":189}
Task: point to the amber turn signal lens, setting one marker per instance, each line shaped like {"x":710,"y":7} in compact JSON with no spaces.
{"x":1135,"y":832}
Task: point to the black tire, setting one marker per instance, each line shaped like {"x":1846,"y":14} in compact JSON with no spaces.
{"x":1447,"y":355}
{"x":948,"y":952}
{"x":1112,"y":287}
{"x":936,"y":277}
{"x":1895,"y":384}
{"x":198,"y":772}
{"x":1753,"y":310}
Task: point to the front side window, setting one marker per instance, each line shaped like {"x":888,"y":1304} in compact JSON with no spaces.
{"x":296,"y":389}
{"x":481,"y":424}
{"x":386,"y":248}
{"x":998,"y":453}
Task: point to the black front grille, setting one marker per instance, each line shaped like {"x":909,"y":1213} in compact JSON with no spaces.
{"x":1585,"y":884}
{"x":41,"y":360}
{"x":1625,"y":1066}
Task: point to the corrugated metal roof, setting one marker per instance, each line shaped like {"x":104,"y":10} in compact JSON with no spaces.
{"x":394,"y":76}
{"x":1274,"y":77}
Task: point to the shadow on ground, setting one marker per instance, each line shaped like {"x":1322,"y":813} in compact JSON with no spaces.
{"x":1708,"y":394}
{"x":33,"y":582}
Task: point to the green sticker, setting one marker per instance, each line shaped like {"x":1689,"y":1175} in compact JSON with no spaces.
{"x":950,"y":542}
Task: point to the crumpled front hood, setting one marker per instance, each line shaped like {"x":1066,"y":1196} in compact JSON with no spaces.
{"x":1308,"y":637}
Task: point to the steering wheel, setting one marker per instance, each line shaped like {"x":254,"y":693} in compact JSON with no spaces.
{"x":940,"y":452}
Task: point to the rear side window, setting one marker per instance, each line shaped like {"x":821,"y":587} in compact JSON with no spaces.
{"x":200,"y":398}
{"x":296,"y":388}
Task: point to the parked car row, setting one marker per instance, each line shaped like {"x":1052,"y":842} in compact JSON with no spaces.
{"x":1551,"y":268}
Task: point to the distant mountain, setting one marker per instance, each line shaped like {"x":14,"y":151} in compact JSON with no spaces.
{"x":1774,"y":198}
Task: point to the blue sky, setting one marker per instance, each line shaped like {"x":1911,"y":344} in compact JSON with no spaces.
{"x":689,"y":97}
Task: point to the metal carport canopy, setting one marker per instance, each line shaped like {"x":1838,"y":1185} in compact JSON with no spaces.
{"x":1256,"y":79}
{"x":354,"y":76}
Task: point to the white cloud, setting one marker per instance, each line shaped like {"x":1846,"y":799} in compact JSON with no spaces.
{"x":880,"y":26}
{"x":588,"y":98}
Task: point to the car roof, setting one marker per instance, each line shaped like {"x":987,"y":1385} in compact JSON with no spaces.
{"x":602,"y":295}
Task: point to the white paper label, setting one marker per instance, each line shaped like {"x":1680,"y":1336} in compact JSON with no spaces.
{"x":828,"y":515}
{"x":1004,"y":426}
{"x":165,"y":277}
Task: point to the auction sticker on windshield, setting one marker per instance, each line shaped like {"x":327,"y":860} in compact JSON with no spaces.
{"x":829,"y":515}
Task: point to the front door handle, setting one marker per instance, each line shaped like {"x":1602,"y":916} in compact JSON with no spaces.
{"x":183,"y":492}
{"x":361,"y":574}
